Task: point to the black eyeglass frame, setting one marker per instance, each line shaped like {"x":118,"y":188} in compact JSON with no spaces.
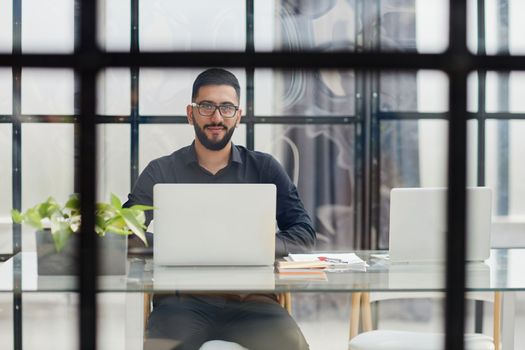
{"x":198,"y":105}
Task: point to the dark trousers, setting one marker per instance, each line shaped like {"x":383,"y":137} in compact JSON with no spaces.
{"x":186,"y":322}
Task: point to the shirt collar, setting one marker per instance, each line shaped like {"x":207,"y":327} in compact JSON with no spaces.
{"x":236,"y":154}
{"x":190,"y":155}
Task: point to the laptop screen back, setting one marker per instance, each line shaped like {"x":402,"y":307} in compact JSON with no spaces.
{"x":214,"y":224}
{"x":418,"y":224}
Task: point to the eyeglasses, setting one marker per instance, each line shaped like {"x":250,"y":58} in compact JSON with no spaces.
{"x":207,"y":109}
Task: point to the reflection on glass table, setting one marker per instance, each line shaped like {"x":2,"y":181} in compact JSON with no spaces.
{"x":501,"y":272}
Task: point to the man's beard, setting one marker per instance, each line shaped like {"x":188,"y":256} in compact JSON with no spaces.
{"x":209,"y":144}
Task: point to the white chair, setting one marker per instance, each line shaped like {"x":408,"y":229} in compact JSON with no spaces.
{"x":411,"y":340}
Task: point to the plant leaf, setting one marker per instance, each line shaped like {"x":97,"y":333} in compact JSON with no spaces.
{"x":61,"y":236}
{"x":118,"y":230}
{"x":73,"y":202}
{"x":117,"y":221}
{"x":17,"y":216}
{"x":33,"y":218}
{"x":103,"y":207}
{"x":100,"y":223}
{"x":115,"y":201}
{"x":134,"y":225}
{"x":142,"y":207}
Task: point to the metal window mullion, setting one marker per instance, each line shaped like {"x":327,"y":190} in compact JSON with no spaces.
{"x":134,"y":119}
{"x":275,"y":59}
{"x":375,"y":192}
{"x":17,"y":175}
{"x":502,"y":199}
{"x":88,"y":64}
{"x":359,"y":132}
{"x":456,"y":196}
{"x":375,"y":139}
{"x":360,"y":139}
{"x":482,"y":79}
{"x":76,"y":89}
{"x":481,"y":132}
{"x":250,"y":72}
{"x":371,"y":41}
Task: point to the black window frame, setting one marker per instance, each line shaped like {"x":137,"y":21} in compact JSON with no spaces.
{"x":87,"y":60}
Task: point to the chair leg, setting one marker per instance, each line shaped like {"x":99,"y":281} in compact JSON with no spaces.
{"x":367,"y":312}
{"x":147,"y":308}
{"x":497,"y":320}
{"x":288,"y":302}
{"x":285,"y":299}
{"x":354,"y":314}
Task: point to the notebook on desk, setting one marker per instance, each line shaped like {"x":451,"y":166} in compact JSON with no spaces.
{"x":214,"y":224}
{"x":418,"y":224}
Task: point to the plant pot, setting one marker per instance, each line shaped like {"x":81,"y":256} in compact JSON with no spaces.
{"x":112,"y":251}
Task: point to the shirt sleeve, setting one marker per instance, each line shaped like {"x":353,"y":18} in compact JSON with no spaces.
{"x":295,"y":234}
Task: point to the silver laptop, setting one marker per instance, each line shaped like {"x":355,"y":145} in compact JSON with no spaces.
{"x":214,"y":224}
{"x":418,"y":224}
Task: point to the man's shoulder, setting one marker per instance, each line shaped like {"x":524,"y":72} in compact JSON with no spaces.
{"x":256,"y":155}
{"x":175,"y":156}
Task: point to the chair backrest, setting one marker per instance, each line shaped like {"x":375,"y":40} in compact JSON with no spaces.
{"x":361,"y":304}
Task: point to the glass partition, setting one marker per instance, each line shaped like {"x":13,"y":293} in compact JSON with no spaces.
{"x":345,"y":137}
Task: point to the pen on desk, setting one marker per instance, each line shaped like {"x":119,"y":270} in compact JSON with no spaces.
{"x":331,"y":260}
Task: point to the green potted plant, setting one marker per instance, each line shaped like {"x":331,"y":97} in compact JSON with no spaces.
{"x":57,"y":239}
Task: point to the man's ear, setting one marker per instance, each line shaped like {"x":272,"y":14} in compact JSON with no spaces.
{"x":189,"y":114}
{"x":239,"y":117}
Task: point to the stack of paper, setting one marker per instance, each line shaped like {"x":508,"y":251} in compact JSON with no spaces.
{"x":322,"y":261}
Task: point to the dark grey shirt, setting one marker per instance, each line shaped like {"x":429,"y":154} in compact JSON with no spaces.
{"x":295,"y":232}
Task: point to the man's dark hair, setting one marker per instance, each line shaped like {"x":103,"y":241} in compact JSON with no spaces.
{"x":215,"y":76}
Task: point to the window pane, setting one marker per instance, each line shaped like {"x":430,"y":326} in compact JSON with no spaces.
{"x":432,"y":18}
{"x":504,"y":26}
{"x":113,"y":159}
{"x":320,"y":160}
{"x":399,"y":91}
{"x":414,"y":154}
{"x":264,"y":28}
{"x":304,"y":92}
{"x":397,"y":22}
{"x":114,"y":25}
{"x":505,"y":92}
{"x":48,"y":26}
{"x":6,"y":91}
{"x":6,"y":26}
{"x":192,"y":25}
{"x":337,"y":25}
{"x":157,"y":140}
{"x":306,"y":25}
{"x":516,"y":27}
{"x":472,"y":92}
{"x":47,"y":91}
{"x":432,"y":91}
{"x":168,"y":91}
{"x":6,"y":197}
{"x":424,"y":91}
{"x":114,"y":92}
{"x":505,"y":170}
{"x":47,"y":167}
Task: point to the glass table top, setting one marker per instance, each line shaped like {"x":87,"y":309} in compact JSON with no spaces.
{"x":502,"y":271}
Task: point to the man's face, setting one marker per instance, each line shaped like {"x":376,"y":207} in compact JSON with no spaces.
{"x":214,"y":131}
